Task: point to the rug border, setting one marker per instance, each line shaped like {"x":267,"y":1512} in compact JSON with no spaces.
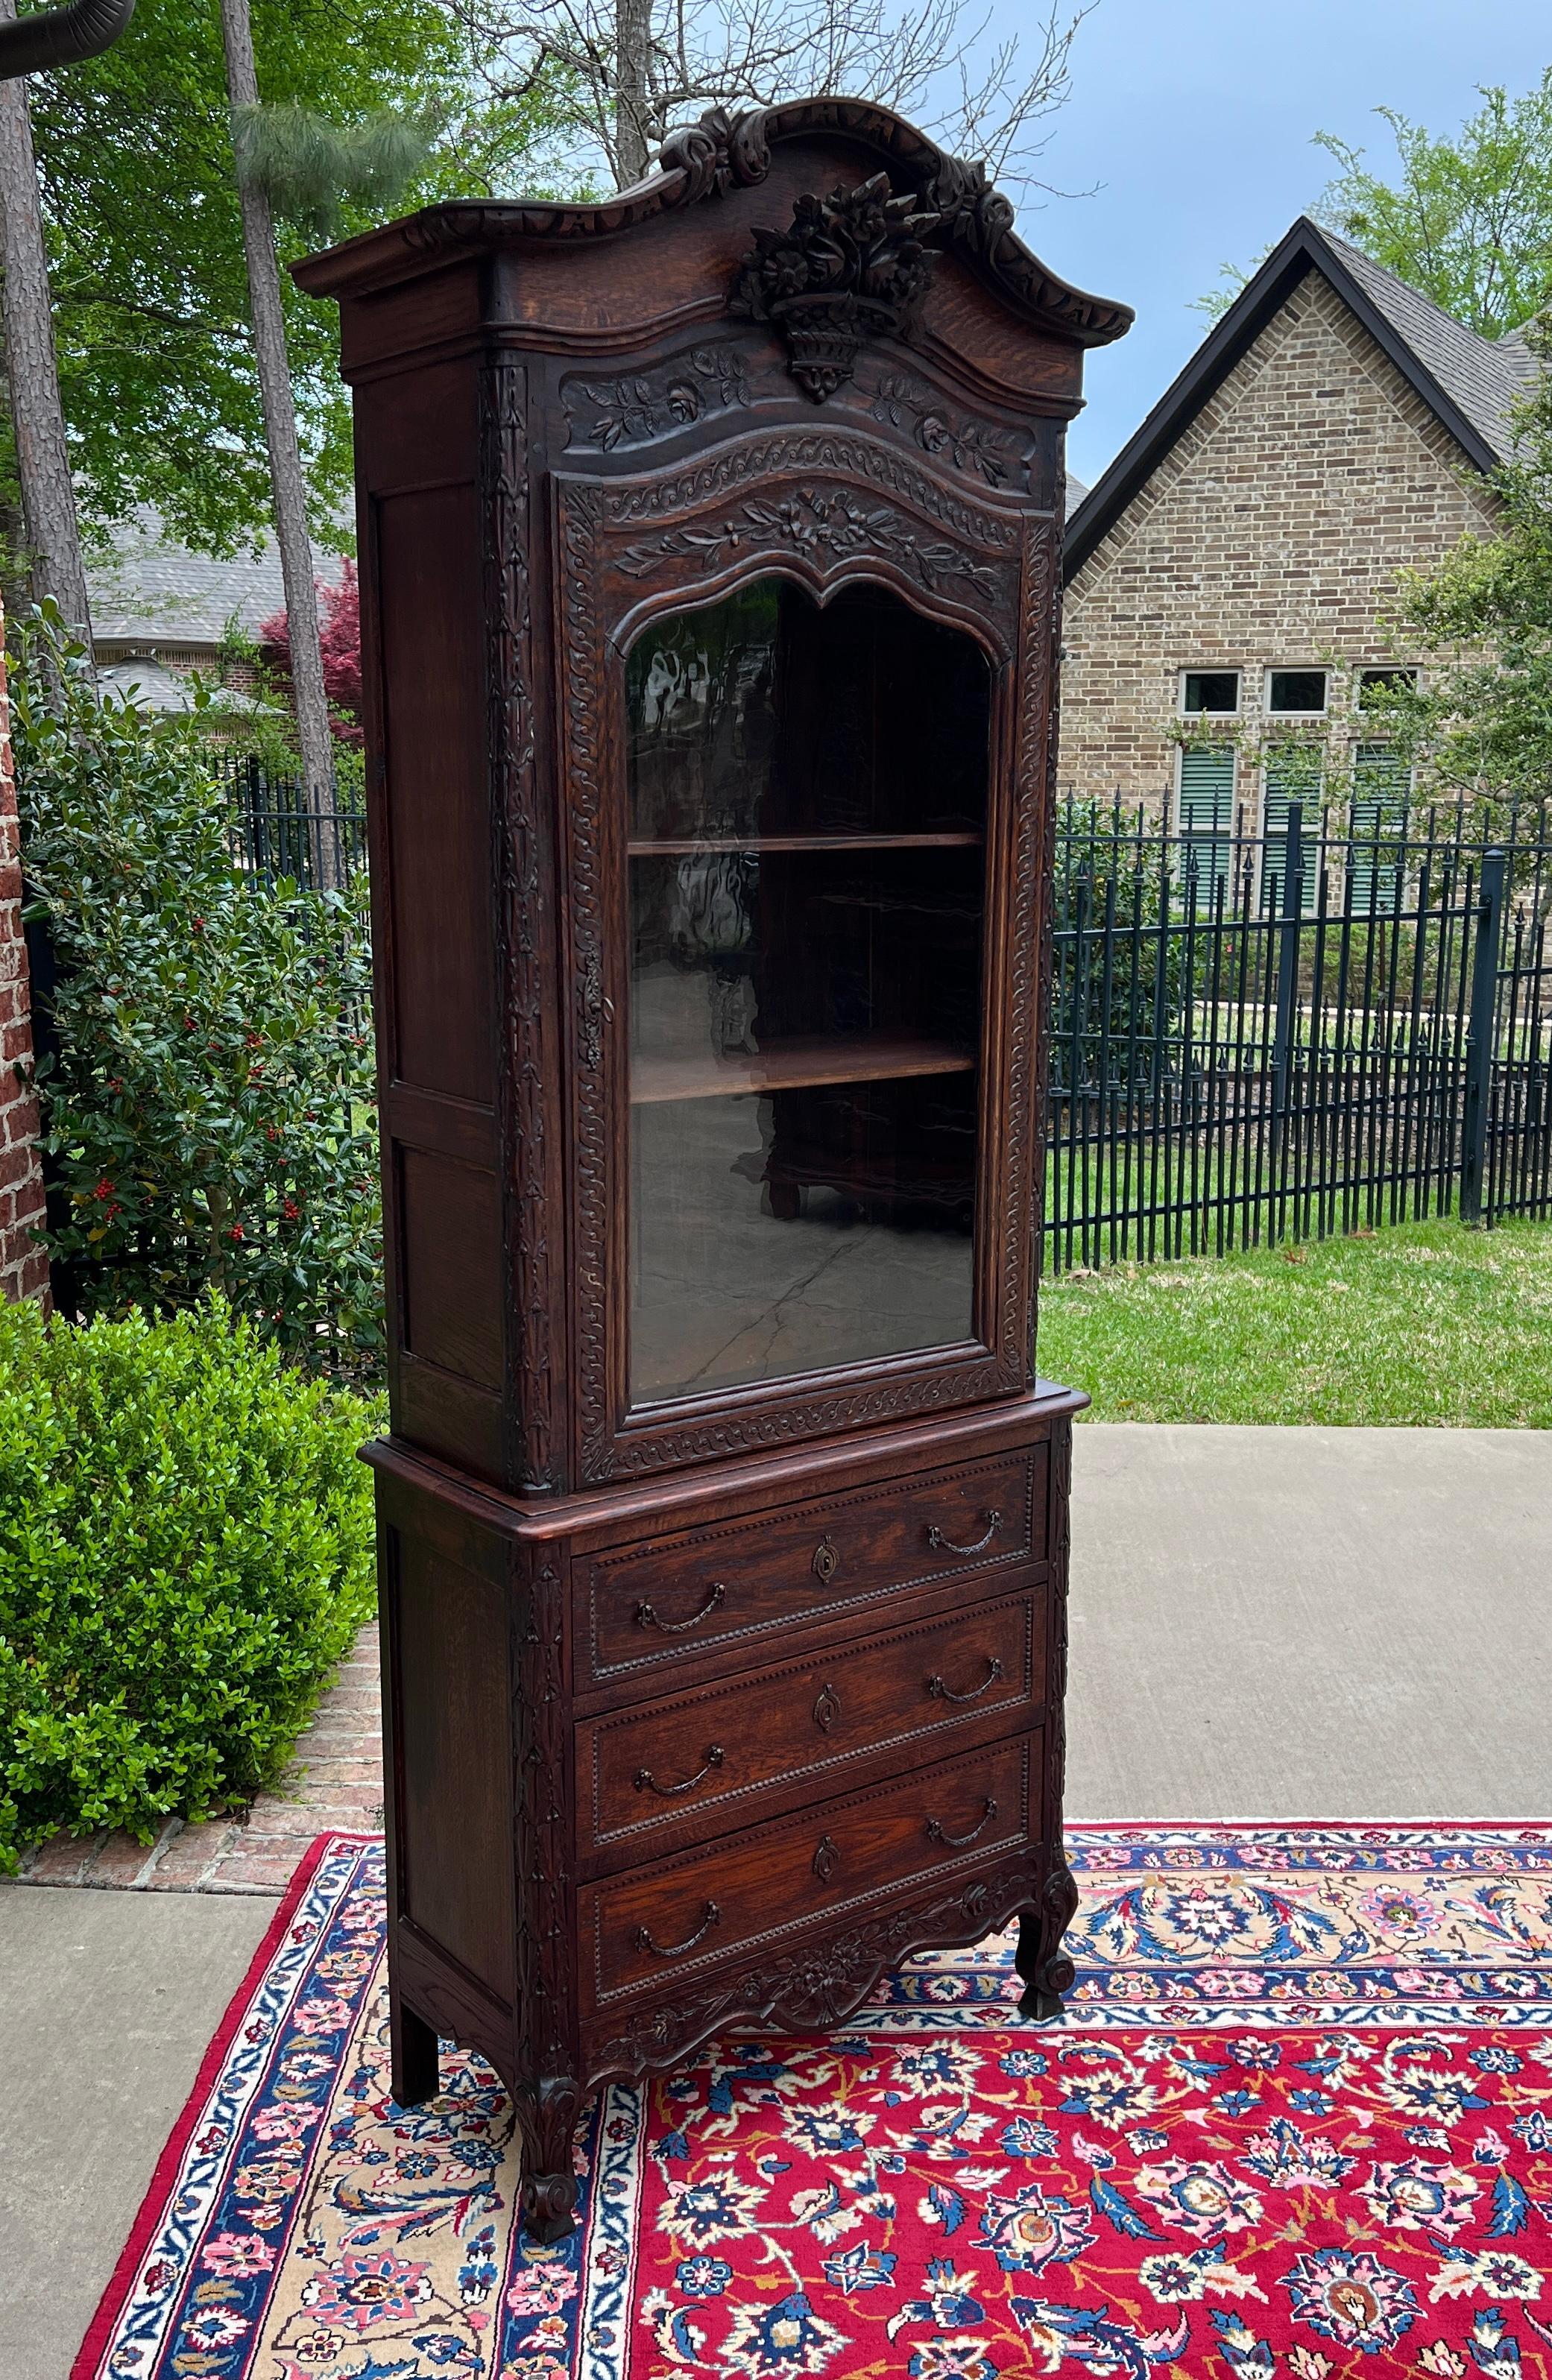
{"x":87,"y":2358}
{"x":122,"y":2278}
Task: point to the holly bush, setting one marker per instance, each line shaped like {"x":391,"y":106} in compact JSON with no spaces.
{"x":186,"y":1552}
{"x":210,"y":1108}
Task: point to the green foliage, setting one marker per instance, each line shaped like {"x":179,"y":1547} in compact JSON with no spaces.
{"x":184,"y":1554}
{"x":135,"y":159}
{"x":1482,"y":718}
{"x":210,"y":1107}
{"x":311,"y":170}
{"x":1469,"y":219}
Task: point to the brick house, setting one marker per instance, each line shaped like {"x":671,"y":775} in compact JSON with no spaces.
{"x":1232,"y":566}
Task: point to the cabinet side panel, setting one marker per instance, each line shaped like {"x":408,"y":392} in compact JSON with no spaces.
{"x":454,"y":1783}
{"x":433,"y":676}
{"x":450,"y":1216}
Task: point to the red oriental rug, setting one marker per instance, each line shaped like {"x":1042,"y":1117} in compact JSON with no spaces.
{"x":1297,"y":2121}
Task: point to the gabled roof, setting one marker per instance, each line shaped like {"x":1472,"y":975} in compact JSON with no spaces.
{"x":1468,"y":382}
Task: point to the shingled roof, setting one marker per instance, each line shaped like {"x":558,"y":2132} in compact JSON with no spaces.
{"x":1468,"y":382}
{"x":153,"y":592}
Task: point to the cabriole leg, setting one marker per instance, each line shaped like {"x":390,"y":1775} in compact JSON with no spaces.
{"x":1042,"y":1961}
{"x":548,"y":2165}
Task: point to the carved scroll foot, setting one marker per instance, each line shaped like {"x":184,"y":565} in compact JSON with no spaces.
{"x":546,"y":2123}
{"x":549,"y":2206}
{"x":412,"y":2046}
{"x":1045,"y":1970}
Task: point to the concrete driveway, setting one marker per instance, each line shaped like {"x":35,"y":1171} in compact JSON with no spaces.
{"x":1310,"y":1623}
{"x":1265,"y":1623}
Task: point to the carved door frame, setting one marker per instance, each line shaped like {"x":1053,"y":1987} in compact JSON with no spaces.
{"x":826,"y":508}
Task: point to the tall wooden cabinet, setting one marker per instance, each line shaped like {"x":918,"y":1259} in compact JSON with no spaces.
{"x":709,"y":544}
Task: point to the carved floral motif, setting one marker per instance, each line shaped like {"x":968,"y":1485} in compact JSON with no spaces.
{"x":509,"y":695}
{"x":975,"y":447}
{"x":643,"y":405}
{"x":815,"y":521}
{"x":848,"y":267}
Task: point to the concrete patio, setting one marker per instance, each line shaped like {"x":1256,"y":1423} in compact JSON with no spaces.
{"x":1265,"y":1623}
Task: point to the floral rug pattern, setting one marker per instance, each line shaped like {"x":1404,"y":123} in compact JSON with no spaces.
{"x":1297,"y":2121}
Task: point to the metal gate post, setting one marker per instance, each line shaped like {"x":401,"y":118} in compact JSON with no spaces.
{"x":1480,"y":1034}
{"x":1286,"y":991}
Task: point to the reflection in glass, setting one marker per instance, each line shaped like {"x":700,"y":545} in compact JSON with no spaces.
{"x":806,"y":841}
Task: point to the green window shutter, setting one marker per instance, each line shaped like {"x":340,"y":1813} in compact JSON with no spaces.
{"x":1381,"y":795}
{"x":1286,"y":781}
{"x":1207,"y":819}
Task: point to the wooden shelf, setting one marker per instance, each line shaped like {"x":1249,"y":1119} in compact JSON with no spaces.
{"x":682,"y":846}
{"x":791,"y":1066}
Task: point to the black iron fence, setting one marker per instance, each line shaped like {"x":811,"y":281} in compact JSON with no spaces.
{"x":1341,"y":1023}
{"x":277,"y":831}
{"x":1342,"y":1020}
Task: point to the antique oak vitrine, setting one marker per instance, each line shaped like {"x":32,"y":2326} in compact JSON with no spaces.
{"x":710,"y":544}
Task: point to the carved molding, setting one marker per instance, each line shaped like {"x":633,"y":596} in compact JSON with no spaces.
{"x":850,"y":455}
{"x":705,"y":160}
{"x":546,"y":2093}
{"x":1059,"y":1899}
{"x":582,"y":720}
{"x":822,"y":1982}
{"x":720,"y":152}
{"x":982,"y":545}
{"x":848,"y":269}
{"x":980,"y":449}
{"x":520,"y":924}
{"x":641,"y":407}
{"x":1027,"y":1119}
{"x":817,"y":522}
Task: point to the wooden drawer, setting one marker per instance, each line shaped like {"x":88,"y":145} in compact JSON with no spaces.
{"x":652,"y":1926}
{"x":685,"y":1763}
{"x":701,"y":1589}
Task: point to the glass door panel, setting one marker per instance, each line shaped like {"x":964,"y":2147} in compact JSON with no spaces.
{"x":806,"y":856}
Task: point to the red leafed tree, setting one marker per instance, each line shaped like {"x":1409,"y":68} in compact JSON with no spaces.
{"x":340,"y":635}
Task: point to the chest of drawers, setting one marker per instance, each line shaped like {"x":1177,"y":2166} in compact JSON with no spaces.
{"x":725,"y":1755}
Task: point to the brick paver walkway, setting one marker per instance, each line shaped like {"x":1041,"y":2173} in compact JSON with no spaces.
{"x":335,"y":1780}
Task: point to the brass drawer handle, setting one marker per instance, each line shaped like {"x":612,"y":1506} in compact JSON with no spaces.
{"x":646,"y":1783}
{"x":646,"y":1616}
{"x":957,"y":1842}
{"x":676,"y":1950}
{"x":942,"y":1545}
{"x":942,"y":1694}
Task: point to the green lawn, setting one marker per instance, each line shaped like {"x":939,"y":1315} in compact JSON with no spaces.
{"x":1424,"y":1323}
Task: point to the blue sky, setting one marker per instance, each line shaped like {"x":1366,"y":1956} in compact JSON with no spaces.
{"x":1196,"y":115}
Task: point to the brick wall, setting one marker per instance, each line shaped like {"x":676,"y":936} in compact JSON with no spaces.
{"x":23,"y":1267}
{"x":1270,"y":537}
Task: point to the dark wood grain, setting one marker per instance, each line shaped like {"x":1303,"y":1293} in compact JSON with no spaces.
{"x":717,"y":1705}
{"x":646,"y":1604}
{"x":714,"y":1757}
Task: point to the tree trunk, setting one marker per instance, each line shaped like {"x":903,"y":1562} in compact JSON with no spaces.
{"x":633,"y":28}
{"x":285,"y":466}
{"x":48,"y":498}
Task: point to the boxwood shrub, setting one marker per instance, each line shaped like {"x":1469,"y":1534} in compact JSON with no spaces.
{"x":186,"y":1552}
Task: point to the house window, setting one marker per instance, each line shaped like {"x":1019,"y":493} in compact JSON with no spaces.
{"x":1296,"y":693}
{"x":1373,"y":685}
{"x":1291,"y":774}
{"x":1214,"y":692}
{"x":1381,"y":796}
{"x":1205,"y":817}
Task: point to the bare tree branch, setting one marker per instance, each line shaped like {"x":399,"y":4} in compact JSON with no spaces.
{"x":622,"y":73}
